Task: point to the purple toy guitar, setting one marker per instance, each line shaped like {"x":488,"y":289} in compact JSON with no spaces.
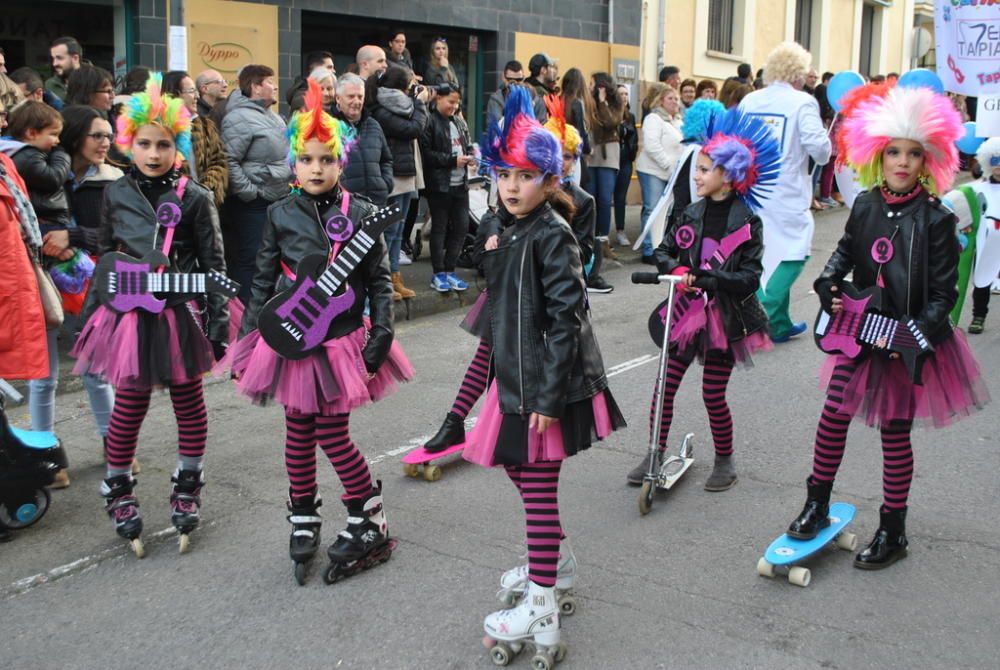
{"x":859,"y":326}
{"x":296,"y":321}
{"x":687,"y":305}
{"x":124,"y":283}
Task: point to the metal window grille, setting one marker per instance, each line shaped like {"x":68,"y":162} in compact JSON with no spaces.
{"x":720,"y":25}
{"x":803,"y":23}
{"x":867,"y":32}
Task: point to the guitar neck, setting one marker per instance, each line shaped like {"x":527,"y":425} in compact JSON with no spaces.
{"x":159,"y":282}
{"x":349,"y":258}
{"x":893,"y":333}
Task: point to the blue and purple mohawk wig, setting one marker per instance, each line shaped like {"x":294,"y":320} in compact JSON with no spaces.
{"x":519,"y":141}
{"x":745,"y":149}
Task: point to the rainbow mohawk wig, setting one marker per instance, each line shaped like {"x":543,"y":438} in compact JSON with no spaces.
{"x":151,"y":107}
{"x":313,"y":123}
{"x":567,"y":135}
{"x":744,"y":148}
{"x":903,"y":113}
{"x":519,"y":140}
{"x":698,"y":117}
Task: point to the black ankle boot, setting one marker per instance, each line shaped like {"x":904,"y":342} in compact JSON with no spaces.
{"x":889,"y":543}
{"x":815,"y":515}
{"x":451,"y":432}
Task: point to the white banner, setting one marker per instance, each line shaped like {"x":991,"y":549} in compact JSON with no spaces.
{"x":988,"y":116}
{"x":968,"y":46}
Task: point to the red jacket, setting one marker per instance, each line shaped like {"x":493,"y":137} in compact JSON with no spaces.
{"x":23,"y":349}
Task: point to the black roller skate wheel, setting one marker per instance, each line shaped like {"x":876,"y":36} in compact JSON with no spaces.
{"x":331,"y":575}
{"x":24,"y":510}
{"x":301,"y":573}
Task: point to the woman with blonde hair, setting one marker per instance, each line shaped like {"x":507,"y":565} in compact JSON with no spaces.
{"x":440,"y":70}
{"x":661,"y":149}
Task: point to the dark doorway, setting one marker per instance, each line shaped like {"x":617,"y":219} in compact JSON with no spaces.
{"x":343,"y":35}
{"x":27,"y":29}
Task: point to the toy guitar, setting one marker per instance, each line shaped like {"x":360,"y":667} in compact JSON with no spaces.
{"x":124,"y":283}
{"x":297,"y":320}
{"x":687,"y":305}
{"x":859,"y":326}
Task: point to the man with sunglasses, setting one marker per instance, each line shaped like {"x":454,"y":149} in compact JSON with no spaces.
{"x":513,"y":75}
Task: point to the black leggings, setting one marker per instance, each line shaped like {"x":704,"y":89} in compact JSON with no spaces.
{"x":449,"y":224}
{"x":981,"y":301}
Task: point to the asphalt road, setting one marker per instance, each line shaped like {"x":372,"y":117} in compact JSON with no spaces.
{"x":675,"y":589}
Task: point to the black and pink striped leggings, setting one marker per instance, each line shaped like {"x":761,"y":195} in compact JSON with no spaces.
{"x":538,"y":484}
{"x":718,"y":369}
{"x":474,"y":382}
{"x":304,"y":432}
{"x":831,"y":439}
{"x":130,"y":410}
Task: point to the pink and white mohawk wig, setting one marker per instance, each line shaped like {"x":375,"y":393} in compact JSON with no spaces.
{"x":916,"y":114}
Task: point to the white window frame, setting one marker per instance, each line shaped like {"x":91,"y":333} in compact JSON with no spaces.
{"x":715,"y":64}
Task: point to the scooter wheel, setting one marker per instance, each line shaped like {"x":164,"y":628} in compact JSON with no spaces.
{"x":646,"y":497}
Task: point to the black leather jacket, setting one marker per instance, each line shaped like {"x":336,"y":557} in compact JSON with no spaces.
{"x":45,"y":175}
{"x":295,"y":230}
{"x":544,"y":349}
{"x":129,"y":225}
{"x":734,"y":285}
{"x":435,"y":150}
{"x":921,"y":276}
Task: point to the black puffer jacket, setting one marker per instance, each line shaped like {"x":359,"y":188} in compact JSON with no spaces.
{"x":45,"y":175}
{"x":86,"y":200}
{"x":403,"y":120}
{"x":922,"y":274}
{"x":129,"y":225}
{"x":435,"y":150}
{"x":369,"y":163}
{"x":295,"y":230}
{"x":544,"y":349}
{"x":734,"y":285}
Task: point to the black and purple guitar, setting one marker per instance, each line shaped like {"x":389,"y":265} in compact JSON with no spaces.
{"x":297,"y":320}
{"x":124,"y":283}
{"x":686,"y":305}
{"x":859,"y":326}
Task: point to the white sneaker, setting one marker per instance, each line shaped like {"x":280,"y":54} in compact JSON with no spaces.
{"x":622,"y":239}
{"x":535,"y":618}
{"x":404,"y":259}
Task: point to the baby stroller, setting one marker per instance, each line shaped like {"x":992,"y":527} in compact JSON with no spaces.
{"x":479,"y":205}
{"x":29,"y":461}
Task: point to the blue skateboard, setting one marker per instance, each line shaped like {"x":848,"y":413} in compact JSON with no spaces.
{"x":786,"y":552}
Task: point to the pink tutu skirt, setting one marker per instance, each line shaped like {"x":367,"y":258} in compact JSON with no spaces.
{"x":236,"y":310}
{"x":505,"y":439}
{"x":880,"y":389}
{"x":477,"y":321}
{"x":141,"y":350}
{"x":704,"y":333}
{"x":331,"y":380}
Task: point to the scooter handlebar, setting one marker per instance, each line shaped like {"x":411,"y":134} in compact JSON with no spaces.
{"x":654,"y":278}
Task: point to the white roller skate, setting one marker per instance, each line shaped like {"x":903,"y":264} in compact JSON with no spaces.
{"x":535,"y":622}
{"x":514,"y":582}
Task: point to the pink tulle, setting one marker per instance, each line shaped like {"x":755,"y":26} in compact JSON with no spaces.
{"x":236,"y":310}
{"x":548,"y":446}
{"x":476,"y":321}
{"x":880,"y":390}
{"x":704,"y":332}
{"x":331,"y":380}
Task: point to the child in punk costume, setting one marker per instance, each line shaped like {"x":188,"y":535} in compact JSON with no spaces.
{"x":899,"y":237}
{"x":582,"y":221}
{"x":549,"y":399}
{"x":155,"y":208}
{"x":359,"y":364}
{"x":731,"y":172}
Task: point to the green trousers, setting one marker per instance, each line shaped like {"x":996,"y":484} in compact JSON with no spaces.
{"x":776,"y":296}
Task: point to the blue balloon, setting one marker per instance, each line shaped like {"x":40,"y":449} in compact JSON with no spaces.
{"x":922,"y":77}
{"x":969,"y":143}
{"x":842,"y":84}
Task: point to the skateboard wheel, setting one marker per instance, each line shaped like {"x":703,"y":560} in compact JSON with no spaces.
{"x":567,"y":605}
{"x":847,"y":541}
{"x":411,"y":469}
{"x":765,"y":569}
{"x":646,"y":497}
{"x":543,"y":661}
{"x":137,"y":547}
{"x":501,"y":654}
{"x":799,"y":576}
{"x":183,"y":543}
{"x":432,"y":473}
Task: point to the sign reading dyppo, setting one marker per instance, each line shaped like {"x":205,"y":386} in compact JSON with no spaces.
{"x":968,"y":45}
{"x":225,"y":36}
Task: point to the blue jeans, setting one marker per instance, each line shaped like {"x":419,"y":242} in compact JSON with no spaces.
{"x":652,"y":189}
{"x":42,"y":393}
{"x":602,"y":187}
{"x":394,"y":233}
{"x":621,"y":194}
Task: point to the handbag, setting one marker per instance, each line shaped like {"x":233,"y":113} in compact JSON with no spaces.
{"x":51,"y":300}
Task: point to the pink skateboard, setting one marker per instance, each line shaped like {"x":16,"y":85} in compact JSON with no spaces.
{"x":413,"y":461}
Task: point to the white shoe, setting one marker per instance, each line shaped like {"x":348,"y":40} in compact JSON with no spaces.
{"x":536,"y":618}
{"x":622,"y":239}
{"x":516,"y":579}
{"x":404,"y":259}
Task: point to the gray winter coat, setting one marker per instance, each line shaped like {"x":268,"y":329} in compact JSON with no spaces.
{"x":257,"y":150}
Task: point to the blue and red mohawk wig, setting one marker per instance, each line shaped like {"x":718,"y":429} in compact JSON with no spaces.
{"x":745,"y":149}
{"x":519,"y":141}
